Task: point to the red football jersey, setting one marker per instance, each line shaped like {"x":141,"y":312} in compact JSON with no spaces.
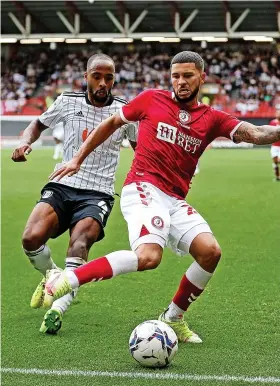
{"x":275,"y":122}
{"x":171,"y":139}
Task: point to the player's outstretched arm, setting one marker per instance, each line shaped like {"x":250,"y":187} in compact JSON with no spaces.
{"x":96,"y":138}
{"x":30,"y":135}
{"x":259,"y":135}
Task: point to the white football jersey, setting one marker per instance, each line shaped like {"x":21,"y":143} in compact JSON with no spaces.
{"x":80,"y":117}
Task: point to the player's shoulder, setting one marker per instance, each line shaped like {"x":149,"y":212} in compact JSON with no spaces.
{"x":157,"y":91}
{"x":120,"y":101}
{"x":214,"y":112}
{"x":73,"y":94}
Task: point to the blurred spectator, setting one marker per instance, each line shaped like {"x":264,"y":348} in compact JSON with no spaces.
{"x":247,"y":74}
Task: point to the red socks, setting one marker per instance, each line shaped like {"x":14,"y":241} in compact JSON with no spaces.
{"x":99,"y":269}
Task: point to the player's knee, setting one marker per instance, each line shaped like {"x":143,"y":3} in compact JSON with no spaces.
{"x":31,"y":239}
{"x":211,"y":255}
{"x":149,"y":259}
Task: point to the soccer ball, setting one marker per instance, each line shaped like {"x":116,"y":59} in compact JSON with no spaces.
{"x":153,"y":344}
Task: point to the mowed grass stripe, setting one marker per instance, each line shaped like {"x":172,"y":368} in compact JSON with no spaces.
{"x":171,"y":376}
{"x":236,"y":316}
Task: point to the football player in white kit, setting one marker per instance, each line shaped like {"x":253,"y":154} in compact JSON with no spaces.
{"x":82,"y":203}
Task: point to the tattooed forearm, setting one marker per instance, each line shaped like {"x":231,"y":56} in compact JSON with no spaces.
{"x":259,"y":135}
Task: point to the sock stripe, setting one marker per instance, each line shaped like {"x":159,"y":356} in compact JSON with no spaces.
{"x":73,"y":265}
{"x":34,"y":253}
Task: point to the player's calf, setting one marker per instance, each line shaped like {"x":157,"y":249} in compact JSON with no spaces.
{"x":40,"y":258}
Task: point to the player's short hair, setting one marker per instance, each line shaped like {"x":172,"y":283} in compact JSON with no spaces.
{"x":95,"y":57}
{"x":189,"y":57}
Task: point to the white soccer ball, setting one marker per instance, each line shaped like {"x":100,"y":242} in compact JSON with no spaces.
{"x":153,"y":344}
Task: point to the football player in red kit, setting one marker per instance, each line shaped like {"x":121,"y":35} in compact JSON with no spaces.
{"x":174,"y":131}
{"x":275,"y":148}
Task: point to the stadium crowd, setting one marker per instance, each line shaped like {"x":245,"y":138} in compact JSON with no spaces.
{"x":248,"y":75}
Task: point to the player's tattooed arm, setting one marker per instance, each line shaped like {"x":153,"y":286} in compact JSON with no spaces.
{"x":258,"y":135}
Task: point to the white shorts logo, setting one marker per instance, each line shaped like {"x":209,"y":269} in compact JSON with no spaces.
{"x":157,"y":222}
{"x":47,"y":194}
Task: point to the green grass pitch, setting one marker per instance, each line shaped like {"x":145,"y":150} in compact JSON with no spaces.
{"x":237,"y":316}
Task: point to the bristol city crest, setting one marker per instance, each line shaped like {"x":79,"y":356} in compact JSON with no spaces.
{"x":184,"y":118}
{"x":157,"y":222}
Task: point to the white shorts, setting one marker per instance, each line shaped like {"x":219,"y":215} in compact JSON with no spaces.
{"x":275,"y":151}
{"x":154,"y":217}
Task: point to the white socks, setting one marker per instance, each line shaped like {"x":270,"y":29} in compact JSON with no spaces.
{"x":122,"y":262}
{"x":63,"y":303}
{"x":173,"y":313}
{"x":198,"y":276}
{"x":41,"y":259}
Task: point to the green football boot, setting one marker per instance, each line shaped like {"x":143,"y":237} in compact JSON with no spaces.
{"x":52,"y":322}
{"x":57,"y":285}
{"x":38,"y":295}
{"x":182,"y":330}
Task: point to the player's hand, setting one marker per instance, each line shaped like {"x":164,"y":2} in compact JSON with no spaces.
{"x":20,"y":152}
{"x":68,"y":169}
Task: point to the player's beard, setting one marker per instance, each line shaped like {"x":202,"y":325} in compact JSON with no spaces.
{"x":99,"y":98}
{"x":189,"y":98}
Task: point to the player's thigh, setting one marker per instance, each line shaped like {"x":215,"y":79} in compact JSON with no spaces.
{"x":186,"y":224}
{"x":146,"y":214}
{"x":90,"y":213}
{"x":42,"y":223}
{"x":276,"y":160}
{"x":83,"y":234}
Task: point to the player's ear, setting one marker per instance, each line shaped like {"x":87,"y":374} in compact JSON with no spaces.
{"x":203,"y":76}
{"x":85,"y":75}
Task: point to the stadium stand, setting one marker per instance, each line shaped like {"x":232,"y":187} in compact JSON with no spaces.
{"x":243,"y":77}
{"x":247,"y":84}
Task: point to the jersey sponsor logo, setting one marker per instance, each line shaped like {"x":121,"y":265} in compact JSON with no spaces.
{"x":79,"y":114}
{"x":166,"y":132}
{"x":189,"y":143}
{"x":184,"y":117}
{"x":47,"y":194}
{"x":171,"y":134}
{"x":157,"y":222}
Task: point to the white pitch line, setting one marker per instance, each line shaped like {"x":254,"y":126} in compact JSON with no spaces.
{"x":115,"y":374}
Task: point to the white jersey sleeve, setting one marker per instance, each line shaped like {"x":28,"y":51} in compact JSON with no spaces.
{"x":54,"y":114}
{"x":131,"y":130}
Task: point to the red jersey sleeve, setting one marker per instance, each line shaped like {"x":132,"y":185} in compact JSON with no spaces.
{"x":225,"y":125}
{"x":137,"y":108}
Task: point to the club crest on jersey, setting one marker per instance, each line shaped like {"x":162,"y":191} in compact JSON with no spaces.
{"x":184,"y":117}
{"x":157,"y":222}
{"x":47,"y":194}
